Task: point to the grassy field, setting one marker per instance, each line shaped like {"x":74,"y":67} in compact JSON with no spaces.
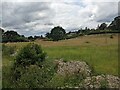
{"x":99,"y":51}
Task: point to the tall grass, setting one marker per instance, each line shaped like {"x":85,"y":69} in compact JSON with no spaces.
{"x":102,"y":56}
{"x":102,"y":59}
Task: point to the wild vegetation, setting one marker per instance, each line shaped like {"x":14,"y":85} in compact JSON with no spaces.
{"x":83,"y":58}
{"x":100,"y":54}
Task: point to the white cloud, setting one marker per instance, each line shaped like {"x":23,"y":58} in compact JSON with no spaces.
{"x":84,"y":14}
{"x":38,"y":17}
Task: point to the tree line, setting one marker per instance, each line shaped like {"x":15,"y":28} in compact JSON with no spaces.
{"x":13,"y":36}
{"x":58,"y":33}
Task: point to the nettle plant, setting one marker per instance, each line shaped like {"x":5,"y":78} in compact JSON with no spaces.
{"x":31,"y":54}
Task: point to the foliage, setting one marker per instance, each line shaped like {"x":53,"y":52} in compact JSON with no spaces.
{"x":69,"y":36}
{"x":29,"y":55}
{"x":37,"y":77}
{"x":30,"y":38}
{"x":115,"y":24}
{"x":104,"y":61}
{"x":38,"y":37}
{"x":57,"y":33}
{"x":12,"y":36}
{"x":102,"y":26}
{"x":31,"y":77}
{"x":48,"y":35}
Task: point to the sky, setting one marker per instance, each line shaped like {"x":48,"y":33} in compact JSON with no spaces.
{"x":38,"y":17}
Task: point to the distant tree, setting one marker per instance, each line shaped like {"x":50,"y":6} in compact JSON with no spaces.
{"x":13,"y":36}
{"x":22,"y":36}
{"x":79,"y":31}
{"x":10,"y":36}
{"x":48,"y":35}
{"x":31,"y":38}
{"x":85,"y":31}
{"x":41,"y":36}
{"x":69,"y":32}
{"x":86,"y":28}
{"x":98,"y":27}
{"x":92,"y":29}
{"x":36,"y":37}
{"x":57,"y":33}
{"x":115,"y":24}
{"x":103,"y":26}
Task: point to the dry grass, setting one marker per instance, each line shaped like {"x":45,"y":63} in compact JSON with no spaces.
{"x":99,"y":40}
{"x":91,"y":39}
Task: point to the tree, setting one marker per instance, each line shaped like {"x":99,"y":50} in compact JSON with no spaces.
{"x":10,"y":36}
{"x":98,"y":27}
{"x":41,"y":37}
{"x":47,"y":35}
{"x":13,"y":36}
{"x":57,"y":33}
{"x":31,"y":38}
{"x":103,"y":26}
{"x":115,"y":25}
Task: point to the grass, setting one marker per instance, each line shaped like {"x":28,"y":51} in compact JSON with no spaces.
{"x":102,"y":59}
{"x":101,"y":52}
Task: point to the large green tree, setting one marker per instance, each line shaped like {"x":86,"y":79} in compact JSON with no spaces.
{"x":57,"y":33}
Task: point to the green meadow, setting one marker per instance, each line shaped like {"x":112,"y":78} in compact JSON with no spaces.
{"x":99,"y":51}
{"x":102,"y":57}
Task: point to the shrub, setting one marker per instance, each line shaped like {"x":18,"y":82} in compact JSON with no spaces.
{"x":87,"y":42}
{"x":29,"y":55}
{"x":33,"y":76}
{"x":111,"y":36}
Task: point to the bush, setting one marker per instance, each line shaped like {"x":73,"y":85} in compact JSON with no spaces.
{"x":111,"y":36}
{"x":29,"y":55}
{"x":87,"y":42}
{"x":32,"y":76}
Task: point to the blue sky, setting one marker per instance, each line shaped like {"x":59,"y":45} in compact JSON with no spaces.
{"x":36,"y":18}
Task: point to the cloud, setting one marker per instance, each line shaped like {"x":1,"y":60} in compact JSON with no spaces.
{"x":26,"y":16}
{"x":35,"y":18}
{"x":84,"y":14}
